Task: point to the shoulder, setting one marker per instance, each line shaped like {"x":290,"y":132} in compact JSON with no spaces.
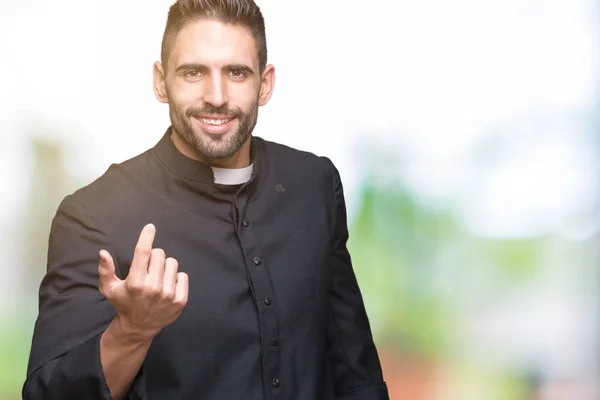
{"x":109,"y":192}
{"x":313,"y":175}
{"x":296,"y":161}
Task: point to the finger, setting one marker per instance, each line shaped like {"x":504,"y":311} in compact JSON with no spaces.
{"x":142,"y":254}
{"x":170,"y":278}
{"x":156,"y":270}
{"x":181,"y":289}
{"x":106,"y":272}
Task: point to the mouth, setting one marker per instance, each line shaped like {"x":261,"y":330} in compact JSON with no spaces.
{"x":214,"y":125}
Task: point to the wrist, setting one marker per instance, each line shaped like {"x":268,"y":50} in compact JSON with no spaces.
{"x":122,"y":332}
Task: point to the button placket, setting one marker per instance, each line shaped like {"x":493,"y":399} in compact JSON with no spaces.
{"x":268,"y":314}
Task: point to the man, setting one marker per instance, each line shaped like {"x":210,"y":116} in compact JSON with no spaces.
{"x":239,"y":285}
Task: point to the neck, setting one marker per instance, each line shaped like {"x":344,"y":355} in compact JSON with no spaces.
{"x":240,"y":159}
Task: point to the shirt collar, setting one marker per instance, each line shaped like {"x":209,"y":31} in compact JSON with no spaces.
{"x":189,"y":168}
{"x":233,"y":176}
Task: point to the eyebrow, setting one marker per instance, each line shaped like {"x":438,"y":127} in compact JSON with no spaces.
{"x":202,"y":67}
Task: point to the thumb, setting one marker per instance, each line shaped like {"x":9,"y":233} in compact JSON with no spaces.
{"x":106,"y":271}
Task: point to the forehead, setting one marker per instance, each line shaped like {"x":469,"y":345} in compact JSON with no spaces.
{"x":213,"y":43}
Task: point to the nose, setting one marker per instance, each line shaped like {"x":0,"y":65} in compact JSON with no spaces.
{"x":215,"y":91}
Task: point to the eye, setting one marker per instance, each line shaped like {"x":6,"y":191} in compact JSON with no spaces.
{"x":236,"y":74}
{"x":193,"y":74}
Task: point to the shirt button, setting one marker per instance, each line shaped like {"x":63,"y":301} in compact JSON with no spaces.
{"x":245,"y":223}
{"x":268,"y":301}
{"x":275,"y":382}
{"x":257,"y":261}
{"x":274,"y":342}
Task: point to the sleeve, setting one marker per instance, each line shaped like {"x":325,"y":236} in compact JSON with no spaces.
{"x":354,"y":360}
{"x":64,"y":361}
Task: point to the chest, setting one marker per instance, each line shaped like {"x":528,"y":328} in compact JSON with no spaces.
{"x":274,"y":262}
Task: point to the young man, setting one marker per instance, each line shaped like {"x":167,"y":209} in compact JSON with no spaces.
{"x":240,"y":285}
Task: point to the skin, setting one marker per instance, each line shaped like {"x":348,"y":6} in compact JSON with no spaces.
{"x":213,"y":71}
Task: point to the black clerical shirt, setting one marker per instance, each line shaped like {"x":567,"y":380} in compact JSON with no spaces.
{"x":274,"y":309}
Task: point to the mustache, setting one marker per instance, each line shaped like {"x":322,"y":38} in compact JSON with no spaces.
{"x":210,"y":109}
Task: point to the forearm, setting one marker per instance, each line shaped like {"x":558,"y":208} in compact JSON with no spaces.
{"x":121,"y":356}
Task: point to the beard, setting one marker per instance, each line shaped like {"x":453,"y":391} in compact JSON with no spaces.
{"x":214,"y":146}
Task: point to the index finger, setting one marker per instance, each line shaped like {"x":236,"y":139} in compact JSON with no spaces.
{"x":142,"y":252}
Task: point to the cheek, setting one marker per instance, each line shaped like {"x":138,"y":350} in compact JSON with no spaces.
{"x":243,"y":97}
{"x":184,"y":94}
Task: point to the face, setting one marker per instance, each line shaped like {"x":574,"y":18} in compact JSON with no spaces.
{"x":213,"y":87}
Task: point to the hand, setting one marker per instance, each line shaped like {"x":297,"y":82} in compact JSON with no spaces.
{"x":153,"y":294}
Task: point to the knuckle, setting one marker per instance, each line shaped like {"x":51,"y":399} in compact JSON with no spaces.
{"x":155,"y":291}
{"x":168,"y":295}
{"x":135,"y":288}
{"x":180,"y":302}
{"x":143,"y":250}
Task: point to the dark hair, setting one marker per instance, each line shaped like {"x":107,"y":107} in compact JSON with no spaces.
{"x":236,"y":12}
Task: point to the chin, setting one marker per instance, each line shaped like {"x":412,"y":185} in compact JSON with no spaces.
{"x":215,"y":137}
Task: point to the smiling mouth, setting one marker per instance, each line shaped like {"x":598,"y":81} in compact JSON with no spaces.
{"x":215,"y":126}
{"x":215,"y":122}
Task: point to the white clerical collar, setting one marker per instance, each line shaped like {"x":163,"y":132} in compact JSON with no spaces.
{"x":234,"y":176}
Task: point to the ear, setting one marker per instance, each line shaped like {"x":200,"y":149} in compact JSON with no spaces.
{"x":267,"y":85}
{"x":160,"y":85}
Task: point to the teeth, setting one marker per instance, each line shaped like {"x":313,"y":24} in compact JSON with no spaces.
{"x":214,"y":121}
